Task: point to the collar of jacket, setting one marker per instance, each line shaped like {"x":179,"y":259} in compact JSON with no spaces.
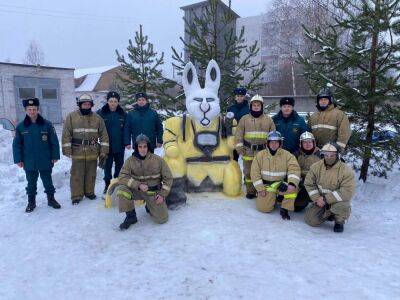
{"x":329,"y":108}
{"x":336,"y":165}
{"x":243,"y":104}
{"x":142,"y":108}
{"x":106,"y":109}
{"x":28,"y":122}
{"x":278,"y":152}
{"x":139,"y":157}
{"x":315,"y":152}
{"x":79,"y":112}
{"x":292,"y":116}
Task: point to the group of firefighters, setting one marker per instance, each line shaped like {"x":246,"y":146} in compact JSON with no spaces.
{"x":285,"y":161}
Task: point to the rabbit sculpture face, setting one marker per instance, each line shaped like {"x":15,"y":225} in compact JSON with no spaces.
{"x":202,"y":104}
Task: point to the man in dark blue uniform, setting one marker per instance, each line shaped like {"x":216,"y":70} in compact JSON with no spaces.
{"x":114,"y":118}
{"x":143,"y":120}
{"x":289,"y":124}
{"x":36,"y":149}
{"x":239,"y":109}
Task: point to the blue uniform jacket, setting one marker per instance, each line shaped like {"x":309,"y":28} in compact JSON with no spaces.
{"x":291,"y":128}
{"x":36,"y":144}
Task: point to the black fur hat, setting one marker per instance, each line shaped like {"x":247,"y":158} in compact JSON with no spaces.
{"x":30,"y":102}
{"x":112,"y":94}
{"x":286,"y":100}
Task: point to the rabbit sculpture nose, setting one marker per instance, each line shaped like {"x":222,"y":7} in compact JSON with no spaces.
{"x":204,"y":106}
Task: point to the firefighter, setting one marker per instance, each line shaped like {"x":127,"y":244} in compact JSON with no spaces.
{"x":330,"y":183}
{"x":142,"y":119}
{"x":250,"y":137}
{"x":36,"y":149}
{"x":84,"y":139}
{"x":144,"y":176}
{"x":329,"y":124}
{"x":307,"y":155}
{"x":239,"y":109}
{"x":275,"y":174}
{"x":114,"y":118}
{"x":289,"y":124}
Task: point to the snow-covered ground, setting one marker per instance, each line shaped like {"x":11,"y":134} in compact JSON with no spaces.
{"x":213,"y":248}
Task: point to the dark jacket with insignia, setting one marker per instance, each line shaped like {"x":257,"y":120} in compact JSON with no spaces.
{"x":291,"y":128}
{"x":239,"y":110}
{"x":36,"y":144}
{"x":143,"y":120}
{"x":115,"y":122}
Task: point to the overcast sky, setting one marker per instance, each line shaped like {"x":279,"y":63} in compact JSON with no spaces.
{"x":85,"y":33}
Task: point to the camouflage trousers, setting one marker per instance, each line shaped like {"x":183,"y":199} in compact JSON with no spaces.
{"x":339,"y":211}
{"x":126,"y":202}
{"x":83,"y":178}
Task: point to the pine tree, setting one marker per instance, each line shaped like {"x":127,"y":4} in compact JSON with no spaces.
{"x":143,"y":73}
{"x":207,"y":31}
{"x":359,"y":57}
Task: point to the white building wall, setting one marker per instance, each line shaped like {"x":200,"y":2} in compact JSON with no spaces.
{"x":7,"y":91}
{"x":252,"y":33}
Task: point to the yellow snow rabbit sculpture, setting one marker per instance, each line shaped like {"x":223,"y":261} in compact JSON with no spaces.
{"x":198,"y":146}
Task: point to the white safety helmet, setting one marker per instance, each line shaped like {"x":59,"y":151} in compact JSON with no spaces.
{"x":330,"y":147}
{"x":257,"y":98}
{"x":307,"y":136}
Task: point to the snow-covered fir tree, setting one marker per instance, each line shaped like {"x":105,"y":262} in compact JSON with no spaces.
{"x":143,"y":73}
{"x":359,"y":57}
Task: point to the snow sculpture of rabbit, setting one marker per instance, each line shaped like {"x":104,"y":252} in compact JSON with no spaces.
{"x":198,"y":146}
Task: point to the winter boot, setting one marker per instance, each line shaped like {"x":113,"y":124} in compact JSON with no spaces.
{"x":106,"y":185}
{"x":76,"y":201}
{"x":147,"y":209}
{"x":250,"y":196}
{"x":338,"y":227}
{"x":91,"y":197}
{"x":52,"y":202}
{"x":130,"y":219}
{"x":284,"y":214}
{"x":31,"y":203}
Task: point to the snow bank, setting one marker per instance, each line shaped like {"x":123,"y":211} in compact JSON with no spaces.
{"x":213,"y":248}
{"x":5,"y":146}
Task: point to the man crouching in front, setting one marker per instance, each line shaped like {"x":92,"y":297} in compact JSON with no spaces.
{"x":144,"y":176}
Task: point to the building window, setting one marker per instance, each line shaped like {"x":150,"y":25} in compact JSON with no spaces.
{"x":25,"y":93}
{"x":49,"y":93}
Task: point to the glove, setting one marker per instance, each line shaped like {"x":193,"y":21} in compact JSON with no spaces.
{"x":241,"y":150}
{"x":102,"y":160}
{"x":282,"y":187}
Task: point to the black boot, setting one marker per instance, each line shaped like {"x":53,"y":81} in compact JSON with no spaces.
{"x":52,"y":202}
{"x":106,"y":185}
{"x":130,"y":219}
{"x":91,"y":197}
{"x":250,"y":196}
{"x":338,"y":227}
{"x":76,"y":201}
{"x":147,"y":209}
{"x":31,"y":203}
{"x":284,"y":214}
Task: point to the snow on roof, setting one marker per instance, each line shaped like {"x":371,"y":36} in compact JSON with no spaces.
{"x":89,"y":83}
{"x":97,"y":70}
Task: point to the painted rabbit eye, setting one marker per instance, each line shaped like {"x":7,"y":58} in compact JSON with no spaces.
{"x":198,"y":99}
{"x":210,"y":99}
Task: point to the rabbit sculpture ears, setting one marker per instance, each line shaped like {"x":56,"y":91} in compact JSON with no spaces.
{"x":202,"y":103}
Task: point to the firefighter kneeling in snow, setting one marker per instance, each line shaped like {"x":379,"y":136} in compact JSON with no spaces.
{"x":275,"y":173}
{"x":331,"y":185}
{"x":306,"y":156}
{"x":144,"y":176}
